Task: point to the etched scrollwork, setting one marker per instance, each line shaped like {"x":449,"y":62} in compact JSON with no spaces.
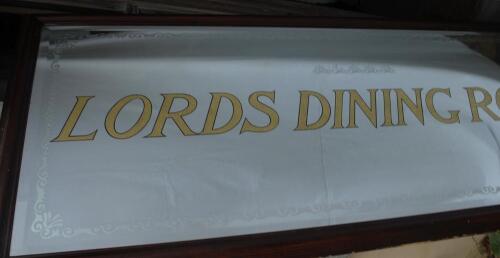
{"x":58,"y":43}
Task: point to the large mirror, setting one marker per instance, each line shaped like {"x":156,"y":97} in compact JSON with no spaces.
{"x":141,"y":135}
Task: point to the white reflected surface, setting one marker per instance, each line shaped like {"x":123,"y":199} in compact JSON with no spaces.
{"x":109,"y":192}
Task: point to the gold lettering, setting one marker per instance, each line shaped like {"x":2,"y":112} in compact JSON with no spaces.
{"x":498,"y":98}
{"x":429,"y":101}
{"x":177,"y":116}
{"x":387,"y":108}
{"x":483,"y":104}
{"x":339,"y":108}
{"x":302,"y":123}
{"x":370,"y":112}
{"x":69,"y":125}
{"x":213,"y":111}
{"x":253,"y":100}
{"x":110,"y":122}
{"x":415,"y":107}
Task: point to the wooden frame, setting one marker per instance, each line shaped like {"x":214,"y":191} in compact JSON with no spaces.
{"x":293,"y":243}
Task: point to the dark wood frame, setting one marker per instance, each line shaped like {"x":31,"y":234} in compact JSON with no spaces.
{"x":292,"y":243}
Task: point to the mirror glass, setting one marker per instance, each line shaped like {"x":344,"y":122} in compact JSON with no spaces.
{"x":141,"y":135}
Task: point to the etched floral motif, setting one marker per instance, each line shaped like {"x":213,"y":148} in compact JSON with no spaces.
{"x":47,"y":224}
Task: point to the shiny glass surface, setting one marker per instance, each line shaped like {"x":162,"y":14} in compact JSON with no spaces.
{"x":109,"y":192}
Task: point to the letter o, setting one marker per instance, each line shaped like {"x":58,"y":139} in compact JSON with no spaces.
{"x":141,"y":122}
